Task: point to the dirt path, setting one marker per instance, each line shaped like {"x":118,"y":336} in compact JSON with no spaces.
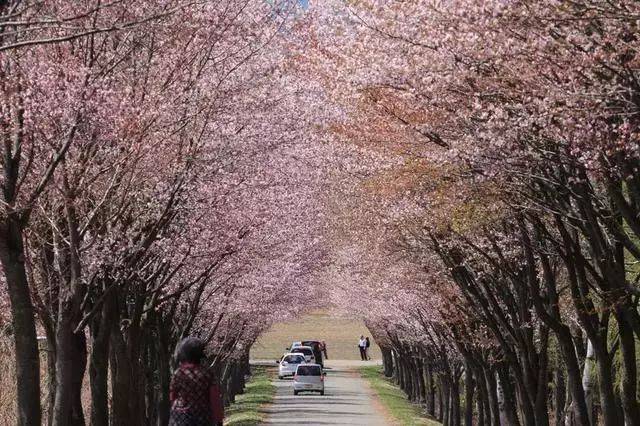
{"x":348,"y":400}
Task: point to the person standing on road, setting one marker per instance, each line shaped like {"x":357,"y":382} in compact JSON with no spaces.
{"x":196,"y":399}
{"x":323,"y":345}
{"x":362,"y":345}
{"x":317,"y":353}
{"x":366,"y":350}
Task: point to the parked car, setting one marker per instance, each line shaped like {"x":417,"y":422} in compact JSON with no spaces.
{"x":316,"y":345}
{"x":295,"y":345}
{"x":306,"y":351}
{"x":308,"y":378}
{"x":289,"y":363}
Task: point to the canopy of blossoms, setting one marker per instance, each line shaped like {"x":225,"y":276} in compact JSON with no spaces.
{"x":465,"y":173}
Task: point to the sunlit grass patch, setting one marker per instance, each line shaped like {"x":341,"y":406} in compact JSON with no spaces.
{"x":394,"y":400}
{"x":248,"y":408}
{"x":340,"y":333}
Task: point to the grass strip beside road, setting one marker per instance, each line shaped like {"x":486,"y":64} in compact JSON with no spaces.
{"x":259,"y":392}
{"x":394,"y":400}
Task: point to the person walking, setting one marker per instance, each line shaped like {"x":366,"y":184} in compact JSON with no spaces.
{"x":366,"y":349}
{"x":362,"y":345}
{"x":196,"y":399}
{"x":323,"y":346}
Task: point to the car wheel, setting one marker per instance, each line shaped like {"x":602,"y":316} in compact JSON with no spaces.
{"x":295,"y":392}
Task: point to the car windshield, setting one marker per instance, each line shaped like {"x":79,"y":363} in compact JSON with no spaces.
{"x":293,"y":359}
{"x":309,"y":370}
{"x":305,"y":351}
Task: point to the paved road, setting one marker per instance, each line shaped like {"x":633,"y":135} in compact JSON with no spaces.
{"x":347,"y":401}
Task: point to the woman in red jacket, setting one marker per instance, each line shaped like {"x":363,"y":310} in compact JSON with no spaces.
{"x":196,"y":399}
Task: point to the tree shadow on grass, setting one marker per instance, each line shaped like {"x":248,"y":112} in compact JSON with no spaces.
{"x":395,"y":400}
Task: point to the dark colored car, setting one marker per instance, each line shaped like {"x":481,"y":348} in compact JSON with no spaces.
{"x":316,"y":345}
{"x":307,"y":351}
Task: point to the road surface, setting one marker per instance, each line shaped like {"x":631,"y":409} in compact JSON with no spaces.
{"x":348,"y":400}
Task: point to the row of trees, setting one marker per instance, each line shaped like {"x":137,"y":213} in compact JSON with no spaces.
{"x":466,"y":170}
{"x":510,"y":195}
{"x":144,"y":148}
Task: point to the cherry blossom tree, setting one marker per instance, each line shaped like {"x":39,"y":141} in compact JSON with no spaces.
{"x":465,"y":170}
{"x":512,"y":163}
{"x":107,"y":226}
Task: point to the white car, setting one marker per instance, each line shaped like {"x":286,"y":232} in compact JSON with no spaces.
{"x":288,"y":364}
{"x":308,"y":378}
{"x":307,"y":351}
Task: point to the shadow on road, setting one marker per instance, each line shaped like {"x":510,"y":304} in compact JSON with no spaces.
{"x":347,"y":401}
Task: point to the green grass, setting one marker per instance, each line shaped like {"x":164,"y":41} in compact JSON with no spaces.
{"x":341,"y":335}
{"x":394,"y":400}
{"x":247,"y":410}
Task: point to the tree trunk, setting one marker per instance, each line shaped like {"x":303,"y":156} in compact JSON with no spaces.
{"x":164,"y":375}
{"x":509,"y":397}
{"x":542,"y":392}
{"x":99,"y":364}
{"x":398,"y":372}
{"x":455,"y":402}
{"x":224,"y":383}
{"x":71,"y":358}
{"x":98,"y":377}
{"x":501,"y":403}
{"x":394,"y":360}
{"x":27,"y":360}
{"x":559,"y":393}
{"x":150,"y":390}
{"x":408,"y":380}
{"x":431,"y":391}
{"x":419,"y":377}
{"x":490,"y":384}
{"x":402,"y":378}
{"x":568,"y":414}
{"x":387,"y":361}
{"x":526,"y":408}
{"x":416,"y":388}
{"x":482,"y":400}
{"x":588,"y":377}
{"x":128,"y":396}
{"x":578,"y":392}
{"x":71,"y":347}
{"x":445,"y":390}
{"x":469,"y":388}
{"x":607,"y":395}
{"x":440,"y":404}
{"x":238,"y":372}
{"x":629,"y":371}
{"x":77,"y":379}
{"x":51,"y":375}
